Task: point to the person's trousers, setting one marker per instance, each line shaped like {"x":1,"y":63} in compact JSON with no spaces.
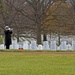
{"x":7,"y":46}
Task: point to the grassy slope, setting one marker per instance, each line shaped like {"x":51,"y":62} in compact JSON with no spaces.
{"x":21,"y":63}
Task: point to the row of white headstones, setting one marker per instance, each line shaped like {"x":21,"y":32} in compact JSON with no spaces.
{"x":26,"y":45}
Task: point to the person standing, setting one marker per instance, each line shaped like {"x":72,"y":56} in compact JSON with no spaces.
{"x":44,"y":37}
{"x":8,"y":32}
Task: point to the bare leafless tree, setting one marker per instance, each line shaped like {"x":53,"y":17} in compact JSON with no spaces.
{"x":27,"y":16}
{"x":7,"y":14}
{"x":35,"y":11}
{"x":73,"y":3}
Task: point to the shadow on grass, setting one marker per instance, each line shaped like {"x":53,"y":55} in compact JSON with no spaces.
{"x":16,"y":50}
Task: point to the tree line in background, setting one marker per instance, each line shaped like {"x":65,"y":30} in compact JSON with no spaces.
{"x":36,"y":17}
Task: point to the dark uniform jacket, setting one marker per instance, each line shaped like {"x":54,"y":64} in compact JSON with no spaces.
{"x":7,"y":37}
{"x":44,"y":38}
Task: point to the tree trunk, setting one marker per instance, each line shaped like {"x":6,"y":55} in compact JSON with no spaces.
{"x":39,"y":35}
{"x":17,"y":36}
{"x":58,"y":39}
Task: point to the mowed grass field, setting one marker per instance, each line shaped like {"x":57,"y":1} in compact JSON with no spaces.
{"x":37,"y":63}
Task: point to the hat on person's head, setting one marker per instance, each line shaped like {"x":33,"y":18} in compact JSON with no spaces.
{"x":6,"y":27}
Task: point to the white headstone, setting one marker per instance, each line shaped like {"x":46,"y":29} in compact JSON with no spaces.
{"x":40,"y":47}
{"x":25,"y":45}
{"x":14,"y":44}
{"x":11,"y":47}
{"x":2,"y":46}
{"x":53,"y":45}
{"x":58,"y":48}
{"x":33,"y":45}
{"x":20,"y":44}
{"x":73,"y":44}
{"x":30,"y":46}
{"x":69,"y":47}
{"x":63,"y":45}
{"x":46,"y":45}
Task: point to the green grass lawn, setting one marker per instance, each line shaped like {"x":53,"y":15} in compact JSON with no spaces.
{"x":28,"y":63}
